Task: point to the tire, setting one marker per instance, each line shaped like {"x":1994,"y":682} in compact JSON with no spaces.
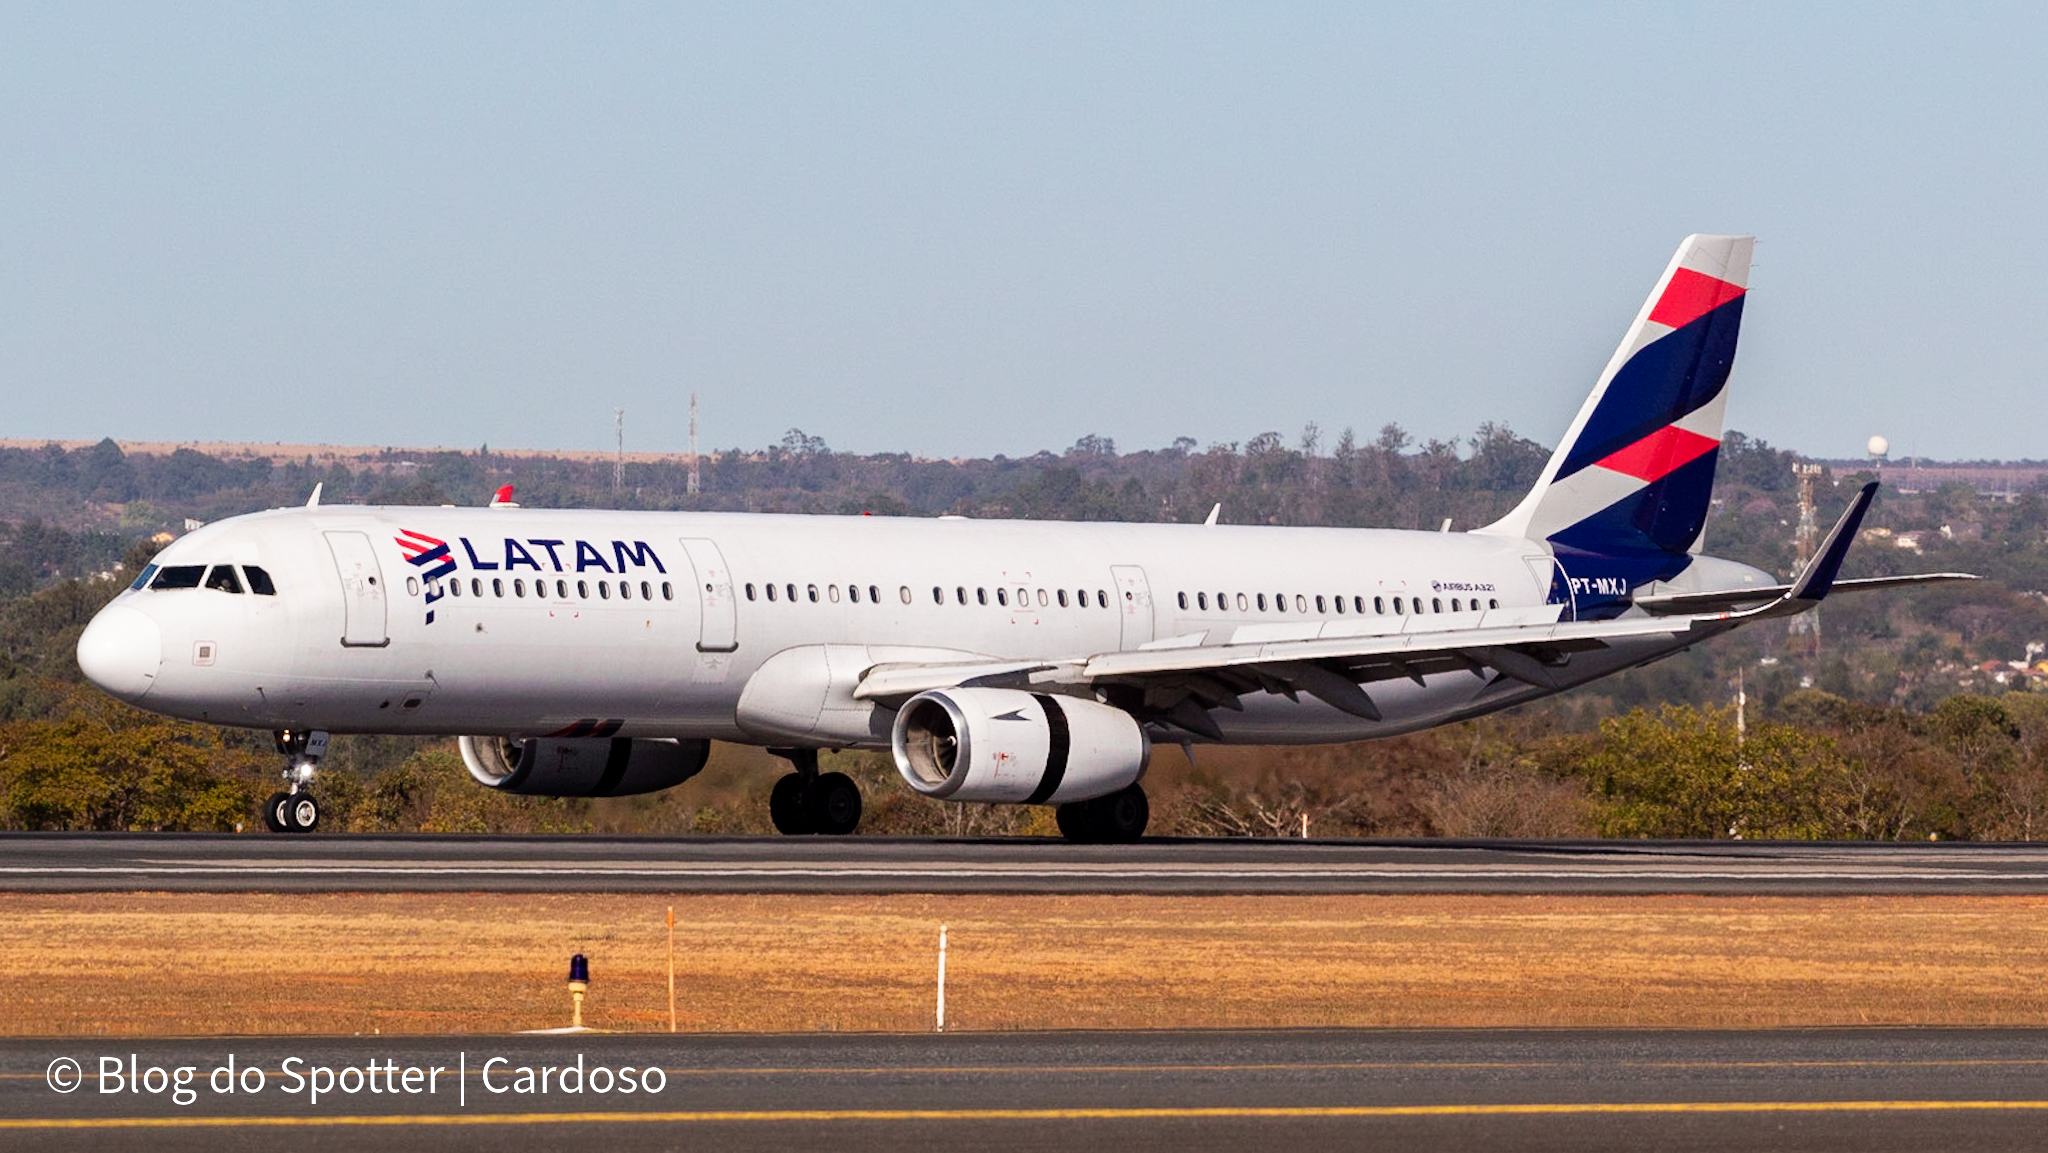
{"x":786,"y":807}
{"x":302,"y":812}
{"x":273,"y":813}
{"x":1121,"y":817}
{"x":834,"y":805}
{"x":1077,"y":822}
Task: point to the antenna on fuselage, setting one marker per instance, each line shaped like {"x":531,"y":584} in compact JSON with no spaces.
{"x":314,"y":500}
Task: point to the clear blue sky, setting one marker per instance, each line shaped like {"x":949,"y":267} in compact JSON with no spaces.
{"x":980,"y":228}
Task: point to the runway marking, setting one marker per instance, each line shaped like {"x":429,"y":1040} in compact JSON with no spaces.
{"x":1420,"y":872}
{"x":1274,"y":1067}
{"x":1206,"y":1113}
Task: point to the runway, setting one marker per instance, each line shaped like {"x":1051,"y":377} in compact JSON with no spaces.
{"x":1507,"y":1090}
{"x":56,"y":862}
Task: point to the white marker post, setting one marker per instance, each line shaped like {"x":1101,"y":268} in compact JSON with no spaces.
{"x":942,"y":979}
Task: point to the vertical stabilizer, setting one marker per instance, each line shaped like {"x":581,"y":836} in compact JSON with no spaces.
{"x":1636,"y":471}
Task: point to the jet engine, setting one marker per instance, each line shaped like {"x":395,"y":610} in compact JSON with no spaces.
{"x":583,"y":767}
{"x":1007,"y":745}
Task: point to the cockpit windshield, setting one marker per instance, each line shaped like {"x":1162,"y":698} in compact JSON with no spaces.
{"x":223,"y":578}
{"x":178,"y":576}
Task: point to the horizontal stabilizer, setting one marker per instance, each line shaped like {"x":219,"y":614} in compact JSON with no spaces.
{"x":1759,"y":594}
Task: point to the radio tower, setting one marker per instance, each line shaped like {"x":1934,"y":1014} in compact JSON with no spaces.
{"x":695,"y":481}
{"x":1807,"y":623}
{"x":619,"y":461}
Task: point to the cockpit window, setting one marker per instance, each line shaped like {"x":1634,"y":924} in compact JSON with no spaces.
{"x":224,"y":579}
{"x":178,"y":576}
{"x":142,"y":578}
{"x":259,"y":581}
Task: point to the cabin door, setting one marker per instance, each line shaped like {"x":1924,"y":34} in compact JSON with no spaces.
{"x":720,"y":628}
{"x":1134,"y":604}
{"x":362,"y":590}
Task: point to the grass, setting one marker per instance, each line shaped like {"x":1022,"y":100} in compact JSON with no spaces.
{"x":175,"y":964}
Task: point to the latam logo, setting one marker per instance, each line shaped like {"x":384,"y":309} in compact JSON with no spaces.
{"x":431,"y":556}
{"x":435,"y":559}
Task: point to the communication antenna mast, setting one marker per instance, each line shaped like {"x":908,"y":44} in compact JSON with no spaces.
{"x":619,"y":461}
{"x":695,"y":482}
{"x":1807,"y":623}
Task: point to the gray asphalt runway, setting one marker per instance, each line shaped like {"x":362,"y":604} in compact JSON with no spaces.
{"x":130,"y":861}
{"x":1515,"y":1090}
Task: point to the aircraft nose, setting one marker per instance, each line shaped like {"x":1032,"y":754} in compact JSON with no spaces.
{"x":121,"y":651}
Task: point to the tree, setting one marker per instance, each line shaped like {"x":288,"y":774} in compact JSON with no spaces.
{"x":1684,"y":772}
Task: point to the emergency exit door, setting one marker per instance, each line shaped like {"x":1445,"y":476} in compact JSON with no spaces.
{"x":1134,"y":604}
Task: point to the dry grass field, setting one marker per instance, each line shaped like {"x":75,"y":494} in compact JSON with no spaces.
{"x":429,"y":963}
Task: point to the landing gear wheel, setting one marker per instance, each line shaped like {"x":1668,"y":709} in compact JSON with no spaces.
{"x":302,"y":812}
{"x":787,"y":809}
{"x":1118,"y":818}
{"x":833,"y":804}
{"x":273,"y":813}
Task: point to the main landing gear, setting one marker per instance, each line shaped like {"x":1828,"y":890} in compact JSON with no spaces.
{"x":1118,"y":818}
{"x":807,"y":801}
{"x":294,"y":810}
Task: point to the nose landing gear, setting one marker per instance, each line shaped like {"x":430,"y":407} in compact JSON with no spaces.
{"x":294,"y":810}
{"x":807,"y":801}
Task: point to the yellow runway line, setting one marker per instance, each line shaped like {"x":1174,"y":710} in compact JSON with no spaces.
{"x":1314,"y":1112}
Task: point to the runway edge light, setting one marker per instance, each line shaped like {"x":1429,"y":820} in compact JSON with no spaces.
{"x":579,"y":983}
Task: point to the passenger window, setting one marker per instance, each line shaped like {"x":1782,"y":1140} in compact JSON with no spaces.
{"x":1339,"y":601}
{"x":497,"y":587}
{"x":1183,"y":601}
{"x":476,"y":585}
{"x":750,"y":590}
{"x":1320,"y":606}
{"x":625,"y":590}
{"x":646,"y":593}
{"x":1262,"y":602}
{"x":142,"y":578}
{"x":412,"y":586}
{"x":1063,"y":598}
{"x":960,"y":594}
{"x":1023,"y":598}
{"x":1081,"y":597}
{"x":562,"y":590}
{"x":1436,"y":604}
{"x":832,"y":593}
{"x":771,"y":592}
{"x":812,"y":592}
{"x":1101,"y":598}
{"x":1003,"y":597}
{"x":1379,"y":606}
{"x":1454,"y":604}
{"x":582,"y":590}
{"x":789,"y":590}
{"x":604,"y":590}
{"x":903,"y":592}
{"x":1492,"y":603}
{"x":1397,"y":606}
{"x":179,"y":576}
{"x":223,"y":578}
{"x":455,"y":587}
{"x":668,"y":591}
{"x":1242,"y":604}
{"x":519,"y":588}
{"x":259,"y":581}
{"x":1300,"y":603}
{"x":874,"y":595}
{"x":1042,"y":600}
{"x":1202,"y":601}
{"x":852,"y":594}
{"x":938,"y":595}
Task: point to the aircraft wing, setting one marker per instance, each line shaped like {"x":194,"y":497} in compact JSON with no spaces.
{"x":1181,"y":678}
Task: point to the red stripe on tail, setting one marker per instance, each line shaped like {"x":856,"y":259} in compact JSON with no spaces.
{"x":1659,"y":454}
{"x":1691,"y":295}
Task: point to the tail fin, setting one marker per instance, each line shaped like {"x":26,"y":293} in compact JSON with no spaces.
{"x":1636,"y":471}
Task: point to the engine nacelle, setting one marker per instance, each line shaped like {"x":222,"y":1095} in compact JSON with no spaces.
{"x":583,"y":767}
{"x":1007,"y":745}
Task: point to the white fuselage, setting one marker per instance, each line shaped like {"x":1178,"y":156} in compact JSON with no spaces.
{"x":521,"y":627}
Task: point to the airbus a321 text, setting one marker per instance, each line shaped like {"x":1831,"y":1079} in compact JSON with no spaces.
{"x":591,"y":653}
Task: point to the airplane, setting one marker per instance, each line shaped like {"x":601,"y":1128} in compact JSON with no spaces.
{"x":589,"y":653}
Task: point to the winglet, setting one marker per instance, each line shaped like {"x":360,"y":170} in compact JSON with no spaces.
{"x":503,"y":498}
{"x":1819,"y":575}
{"x":314,"y":500}
{"x":1215,"y":511}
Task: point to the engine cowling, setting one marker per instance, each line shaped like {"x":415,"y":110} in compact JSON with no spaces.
{"x":583,"y":767}
{"x":1007,"y":745}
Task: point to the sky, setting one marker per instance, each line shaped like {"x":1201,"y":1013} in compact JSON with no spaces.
{"x":967,"y":229}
